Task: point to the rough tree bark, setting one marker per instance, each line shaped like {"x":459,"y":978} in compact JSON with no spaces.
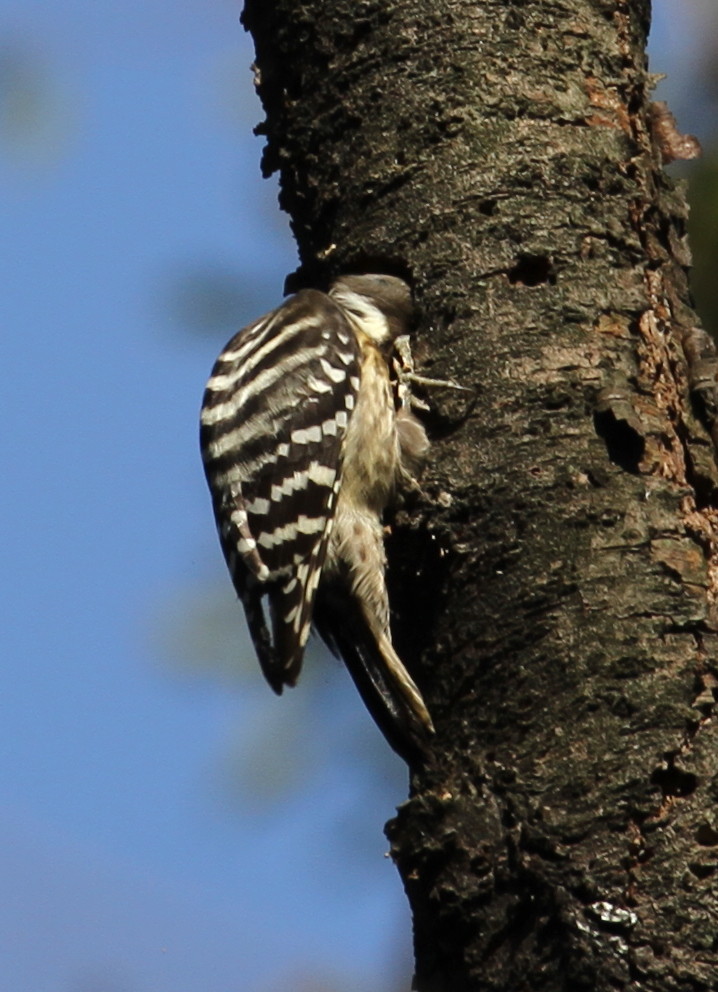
{"x":503,"y":155}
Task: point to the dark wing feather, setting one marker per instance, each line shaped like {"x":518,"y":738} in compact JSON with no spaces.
{"x":274,"y":419}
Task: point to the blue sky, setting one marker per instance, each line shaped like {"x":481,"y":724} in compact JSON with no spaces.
{"x":164,"y":825}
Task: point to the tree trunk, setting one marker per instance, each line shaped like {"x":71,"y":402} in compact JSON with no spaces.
{"x":504,"y":157}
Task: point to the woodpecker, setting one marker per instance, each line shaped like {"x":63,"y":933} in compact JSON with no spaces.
{"x":305,"y":438}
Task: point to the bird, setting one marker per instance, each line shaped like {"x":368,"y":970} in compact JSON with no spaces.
{"x":306,"y":437}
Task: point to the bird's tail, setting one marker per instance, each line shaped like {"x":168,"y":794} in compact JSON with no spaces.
{"x":389,"y":692}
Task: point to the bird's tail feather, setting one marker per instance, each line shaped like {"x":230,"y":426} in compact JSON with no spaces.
{"x":388,"y":691}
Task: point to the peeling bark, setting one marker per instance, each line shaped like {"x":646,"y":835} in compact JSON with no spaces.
{"x":555,"y":586}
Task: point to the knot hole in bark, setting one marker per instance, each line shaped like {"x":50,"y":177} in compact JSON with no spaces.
{"x":532,"y":270}
{"x":673,"y":781}
{"x":624,"y":444}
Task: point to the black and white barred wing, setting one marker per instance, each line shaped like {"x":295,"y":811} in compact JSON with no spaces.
{"x":274,"y":418}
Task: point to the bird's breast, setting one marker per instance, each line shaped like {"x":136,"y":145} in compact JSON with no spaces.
{"x":371,"y":452}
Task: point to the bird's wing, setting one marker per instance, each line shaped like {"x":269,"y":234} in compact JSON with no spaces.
{"x":273,"y":423}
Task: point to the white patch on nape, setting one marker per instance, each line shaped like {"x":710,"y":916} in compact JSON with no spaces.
{"x":364,"y":315}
